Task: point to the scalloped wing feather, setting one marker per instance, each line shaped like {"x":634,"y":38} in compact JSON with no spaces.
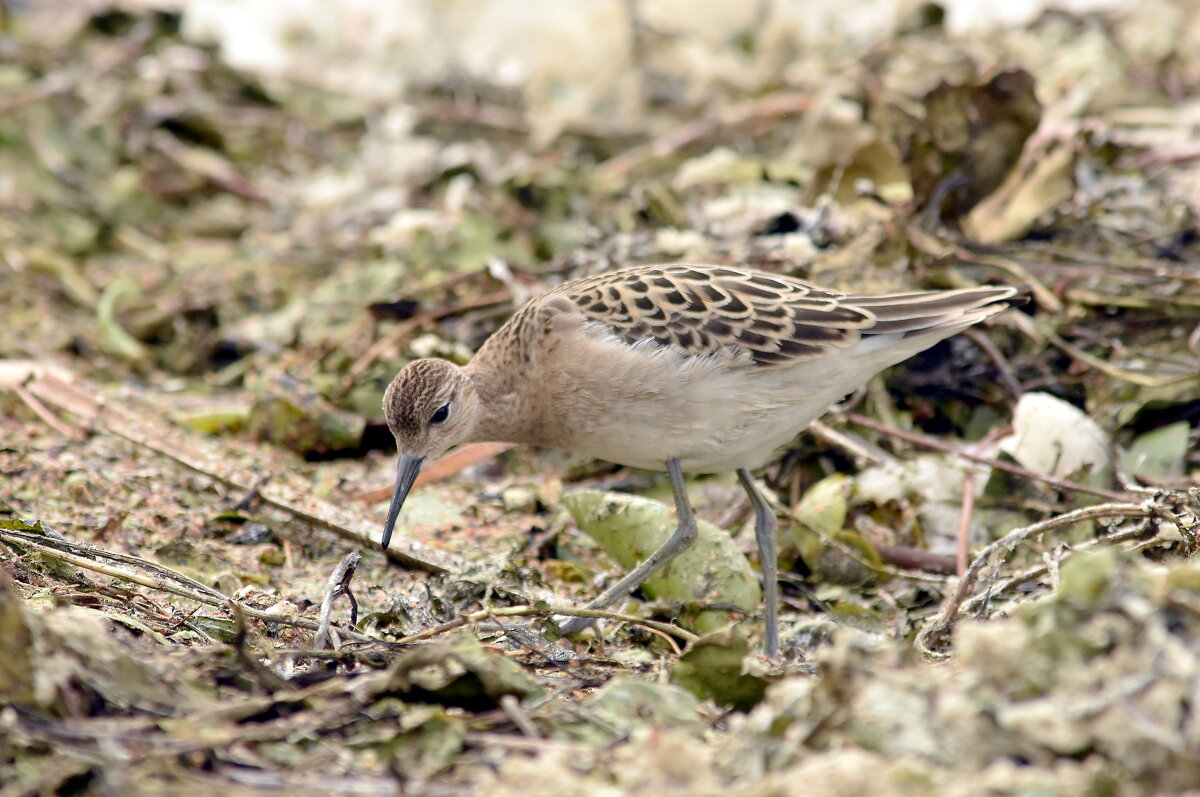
{"x":772,"y":319}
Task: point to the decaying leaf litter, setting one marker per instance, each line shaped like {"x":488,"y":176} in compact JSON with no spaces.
{"x":214,"y":260}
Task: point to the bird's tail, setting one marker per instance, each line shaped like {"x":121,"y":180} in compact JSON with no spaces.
{"x":920,"y":312}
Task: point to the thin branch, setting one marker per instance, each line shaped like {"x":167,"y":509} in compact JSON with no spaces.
{"x":145,"y":429}
{"x":617,"y":169}
{"x":864,"y":453}
{"x":73,"y":433}
{"x":86,"y":74}
{"x":947,"y":448}
{"x":976,"y":602}
{"x":270,"y":680}
{"x":511,"y":707}
{"x":1119,"y":373}
{"x":950,"y":612}
{"x":547,"y":611}
{"x":338,"y":584}
{"x":1003,"y":367}
{"x":146,"y":574}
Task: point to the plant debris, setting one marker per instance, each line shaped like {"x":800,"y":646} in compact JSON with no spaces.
{"x":224,"y":227}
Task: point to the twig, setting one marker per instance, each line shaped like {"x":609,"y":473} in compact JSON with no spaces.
{"x":897,"y":555}
{"x":974,"y":604}
{"x":945,"y":621}
{"x":1007,"y":376}
{"x":947,"y":448}
{"x":376,"y":350}
{"x":252,"y":495}
{"x":160,"y":578}
{"x":615,"y":170}
{"x":892,"y":554}
{"x":207,"y":164}
{"x":512,"y":709}
{"x":862,"y":451}
{"x":457,"y":112}
{"x":968,"y":502}
{"x":576,"y":749}
{"x":49,"y":418}
{"x":964,"y":521}
{"x":1139,"y":268}
{"x":665,"y":637}
{"x":66,"y":80}
{"x":1042,"y":295}
{"x":338,"y":584}
{"x":406,"y":328}
{"x":910,"y":558}
{"x":1116,"y":372}
{"x":547,"y":611}
{"x":267,"y":677}
{"x":145,"y":429}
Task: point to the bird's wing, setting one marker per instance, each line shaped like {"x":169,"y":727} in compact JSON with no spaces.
{"x":773,"y":320}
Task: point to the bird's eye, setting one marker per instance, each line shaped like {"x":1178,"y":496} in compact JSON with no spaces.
{"x":440,"y":415}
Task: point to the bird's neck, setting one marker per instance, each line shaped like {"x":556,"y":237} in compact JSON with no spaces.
{"x":503,"y":409}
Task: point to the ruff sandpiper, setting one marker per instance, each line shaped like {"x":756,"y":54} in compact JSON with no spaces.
{"x":681,"y":368}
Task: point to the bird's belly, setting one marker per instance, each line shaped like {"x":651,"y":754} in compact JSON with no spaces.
{"x":709,"y":414}
{"x":711,"y":423}
{"x":722,"y":443}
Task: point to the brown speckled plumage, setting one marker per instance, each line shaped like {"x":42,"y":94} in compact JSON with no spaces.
{"x":683,"y":367}
{"x":776,"y":320}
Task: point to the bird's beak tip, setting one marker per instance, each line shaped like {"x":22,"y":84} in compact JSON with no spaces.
{"x":406,"y":473}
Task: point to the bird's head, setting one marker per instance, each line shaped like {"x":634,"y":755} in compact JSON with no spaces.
{"x":430,"y":406}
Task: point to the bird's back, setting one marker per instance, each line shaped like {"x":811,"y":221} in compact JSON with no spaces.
{"x":775,"y":320}
{"x":711,"y":365}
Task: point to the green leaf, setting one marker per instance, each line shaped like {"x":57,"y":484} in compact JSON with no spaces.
{"x":711,"y":669}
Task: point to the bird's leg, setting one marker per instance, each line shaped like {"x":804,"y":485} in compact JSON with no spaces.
{"x":764,"y":532}
{"x":681,"y":538}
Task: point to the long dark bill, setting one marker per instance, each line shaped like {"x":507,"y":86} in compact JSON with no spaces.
{"x":406,"y":474}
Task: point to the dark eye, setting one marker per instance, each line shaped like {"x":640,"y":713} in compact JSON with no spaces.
{"x":440,"y":415}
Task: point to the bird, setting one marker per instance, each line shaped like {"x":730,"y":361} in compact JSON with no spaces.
{"x":676,"y":367}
